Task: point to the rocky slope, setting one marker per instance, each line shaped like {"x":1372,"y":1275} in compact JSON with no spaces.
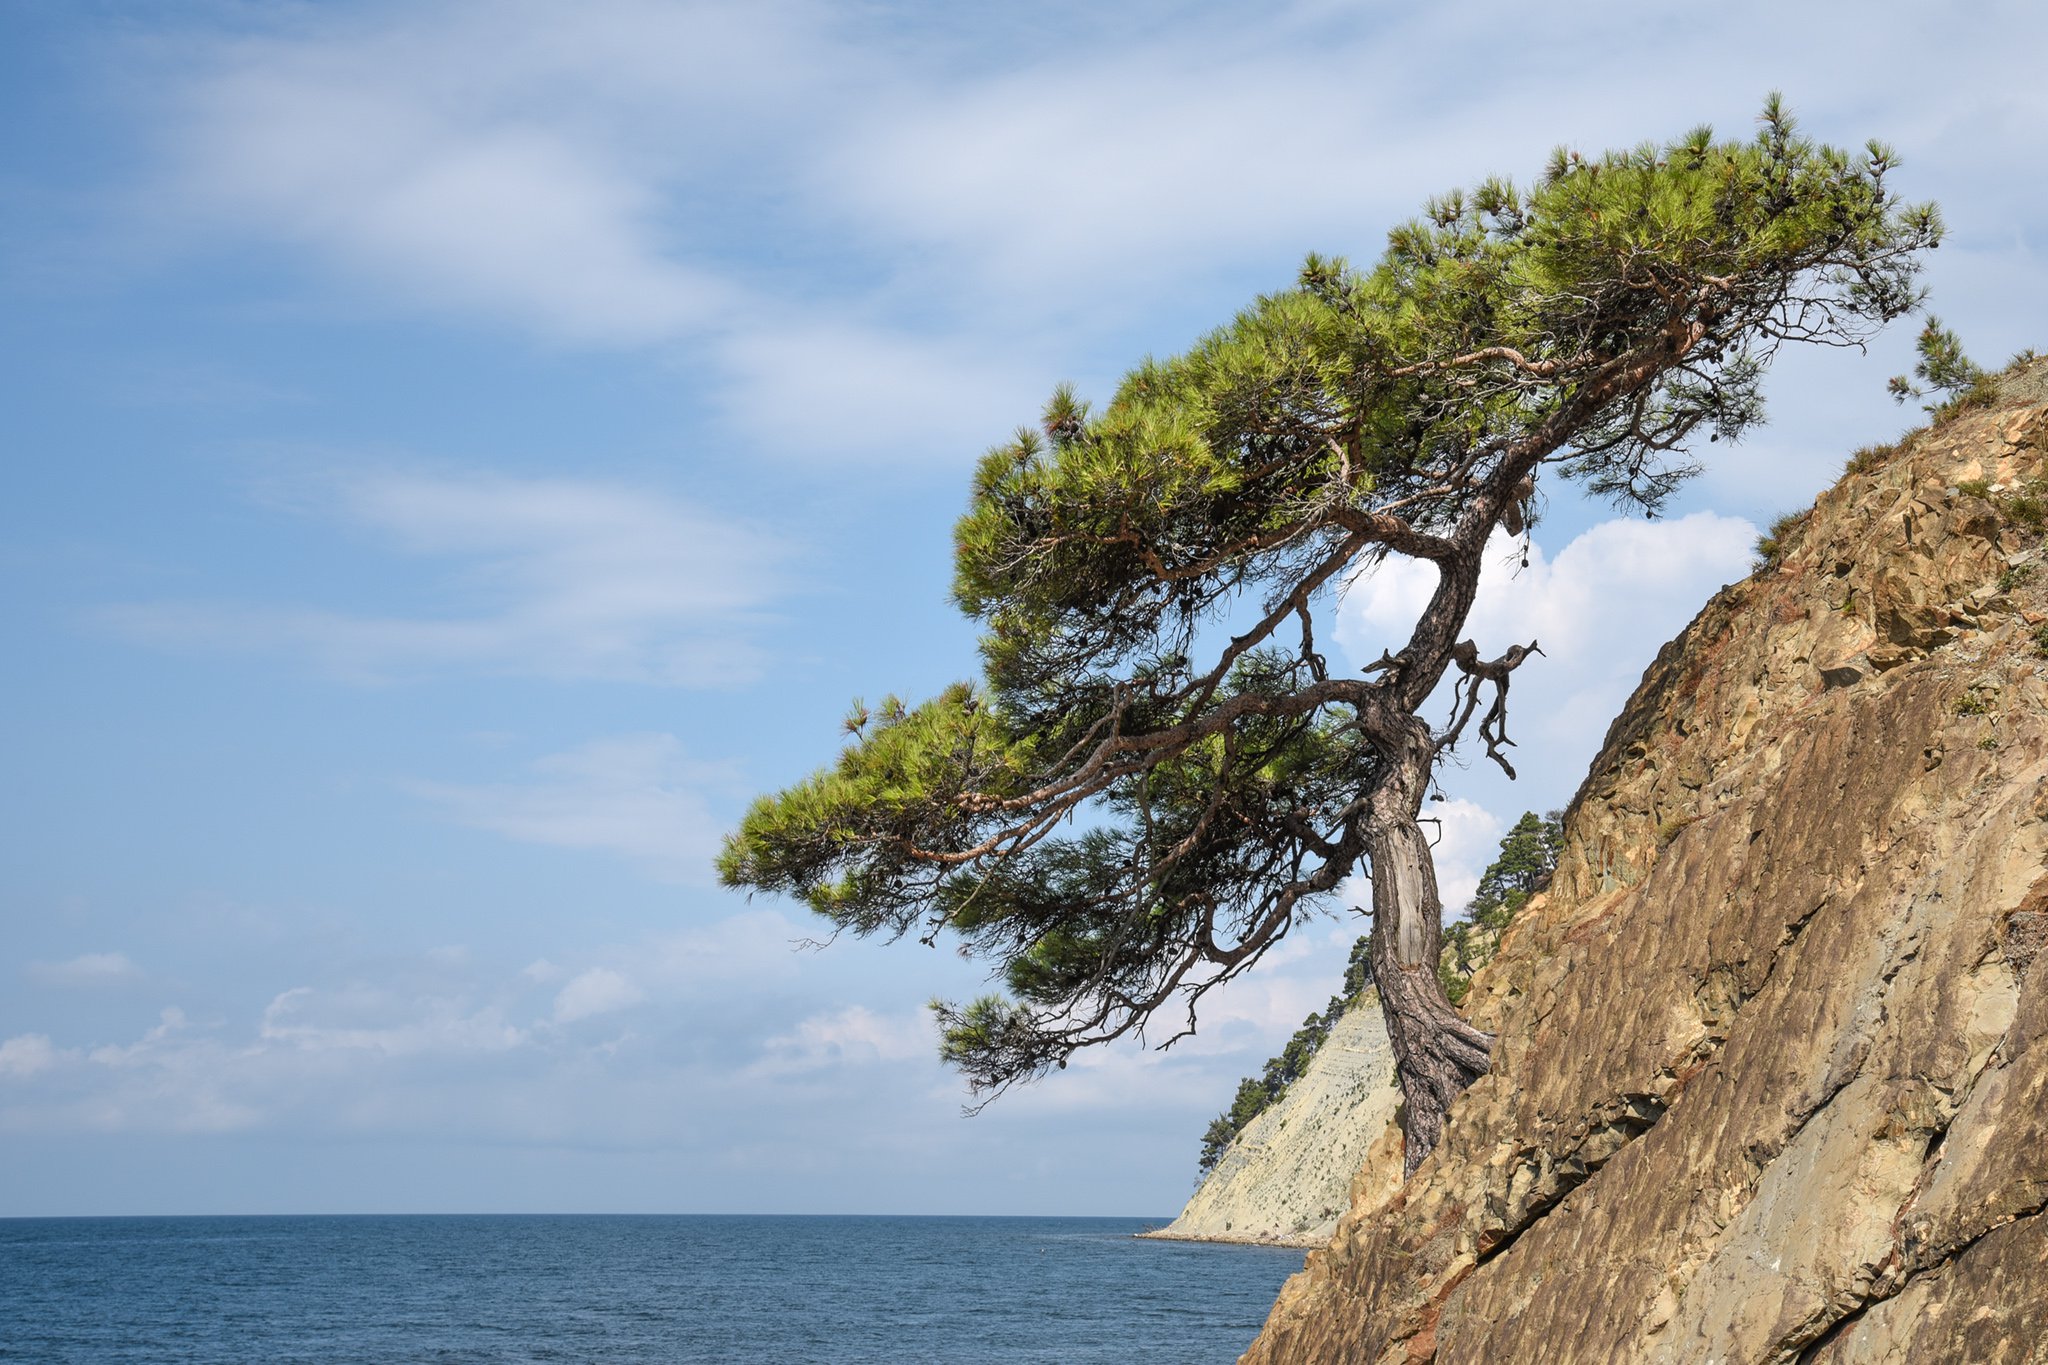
{"x":1287,"y":1176}
{"x":1772,"y":1079}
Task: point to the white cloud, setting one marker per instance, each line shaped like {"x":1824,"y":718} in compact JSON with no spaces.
{"x":373,"y":1020}
{"x":599,"y":990}
{"x":87,"y":969}
{"x":851,"y":1036}
{"x":554,"y":577}
{"x":634,"y":795}
{"x":1600,"y":609}
{"x":507,"y":159}
{"x":827,"y":389}
{"x":940,"y":192}
{"x":26,"y":1054}
{"x":1468,"y":836}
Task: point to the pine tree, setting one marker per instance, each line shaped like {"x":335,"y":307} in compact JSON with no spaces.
{"x":1942,"y":368}
{"x":1158,"y":774}
{"x":1527,"y":857}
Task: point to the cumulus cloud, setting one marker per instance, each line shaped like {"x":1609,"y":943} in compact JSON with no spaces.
{"x":87,"y":969}
{"x":1601,"y":608}
{"x":633,"y":795}
{"x":552,"y":577}
{"x":599,"y":990}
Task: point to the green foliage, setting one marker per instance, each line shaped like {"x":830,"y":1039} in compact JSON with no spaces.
{"x":1972,"y":704}
{"x":1457,"y":984}
{"x":1974,"y":488}
{"x":1157,"y":775}
{"x":2041,"y":642}
{"x":2014,"y":576}
{"x":1527,"y":857}
{"x":2028,"y":506}
{"x":1944,"y":369}
{"x":1772,"y":544}
{"x":1870,"y":457}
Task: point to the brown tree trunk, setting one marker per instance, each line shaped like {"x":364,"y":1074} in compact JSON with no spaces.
{"x":1436,"y":1053}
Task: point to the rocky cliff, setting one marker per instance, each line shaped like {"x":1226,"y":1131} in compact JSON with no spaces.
{"x":1772,"y":1078}
{"x":1285,"y":1179}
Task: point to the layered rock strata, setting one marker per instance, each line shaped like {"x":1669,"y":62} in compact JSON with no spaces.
{"x":1772,"y":1078}
{"x":1287,"y":1176}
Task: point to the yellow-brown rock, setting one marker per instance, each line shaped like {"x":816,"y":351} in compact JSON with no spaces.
{"x":1772,"y":1078}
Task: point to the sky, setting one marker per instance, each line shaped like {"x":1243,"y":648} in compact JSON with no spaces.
{"x":458,"y":453}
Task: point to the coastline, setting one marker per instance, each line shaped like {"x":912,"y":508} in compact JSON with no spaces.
{"x":1297,"y":1241}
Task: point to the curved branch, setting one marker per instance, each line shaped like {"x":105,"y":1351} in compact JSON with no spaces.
{"x":1493,"y":726}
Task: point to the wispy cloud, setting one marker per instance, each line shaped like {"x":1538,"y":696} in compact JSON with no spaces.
{"x":551,"y":577}
{"x":507,"y":160}
{"x":852,"y":1036}
{"x":599,"y":990}
{"x":611,"y":175}
{"x":87,"y":969}
{"x":368,"y":1019}
{"x":637,"y":796}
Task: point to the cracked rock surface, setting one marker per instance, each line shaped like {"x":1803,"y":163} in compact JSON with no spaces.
{"x":1772,"y":1079}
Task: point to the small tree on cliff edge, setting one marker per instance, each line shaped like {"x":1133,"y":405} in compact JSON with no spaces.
{"x":1159,"y":774}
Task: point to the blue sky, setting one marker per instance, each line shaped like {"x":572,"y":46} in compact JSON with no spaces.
{"x":457,"y":453}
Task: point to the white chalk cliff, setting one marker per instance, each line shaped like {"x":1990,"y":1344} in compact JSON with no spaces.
{"x":1285,"y":1179}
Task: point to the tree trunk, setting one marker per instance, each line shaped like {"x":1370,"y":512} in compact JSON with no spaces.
{"x":1436,"y":1053}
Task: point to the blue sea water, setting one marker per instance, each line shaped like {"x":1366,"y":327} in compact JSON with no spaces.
{"x":772,"y":1290}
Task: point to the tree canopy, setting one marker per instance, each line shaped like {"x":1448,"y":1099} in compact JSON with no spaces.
{"x":1158,"y":772}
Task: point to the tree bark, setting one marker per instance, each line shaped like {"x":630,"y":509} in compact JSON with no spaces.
{"x":1436,"y":1053}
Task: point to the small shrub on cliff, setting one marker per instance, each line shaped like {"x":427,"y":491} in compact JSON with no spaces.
{"x":1456,"y":985}
{"x":2041,"y":642}
{"x":2028,"y":506}
{"x":1974,"y":488}
{"x":1772,"y":544}
{"x":1870,"y":457}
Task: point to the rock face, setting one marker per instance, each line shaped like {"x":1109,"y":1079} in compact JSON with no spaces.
{"x":1772,"y":1078}
{"x":1287,"y":1176}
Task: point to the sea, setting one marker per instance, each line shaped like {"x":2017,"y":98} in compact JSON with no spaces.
{"x":743,"y":1289}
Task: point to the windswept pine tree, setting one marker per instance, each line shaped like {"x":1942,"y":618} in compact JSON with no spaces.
{"x":1159,"y":773}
